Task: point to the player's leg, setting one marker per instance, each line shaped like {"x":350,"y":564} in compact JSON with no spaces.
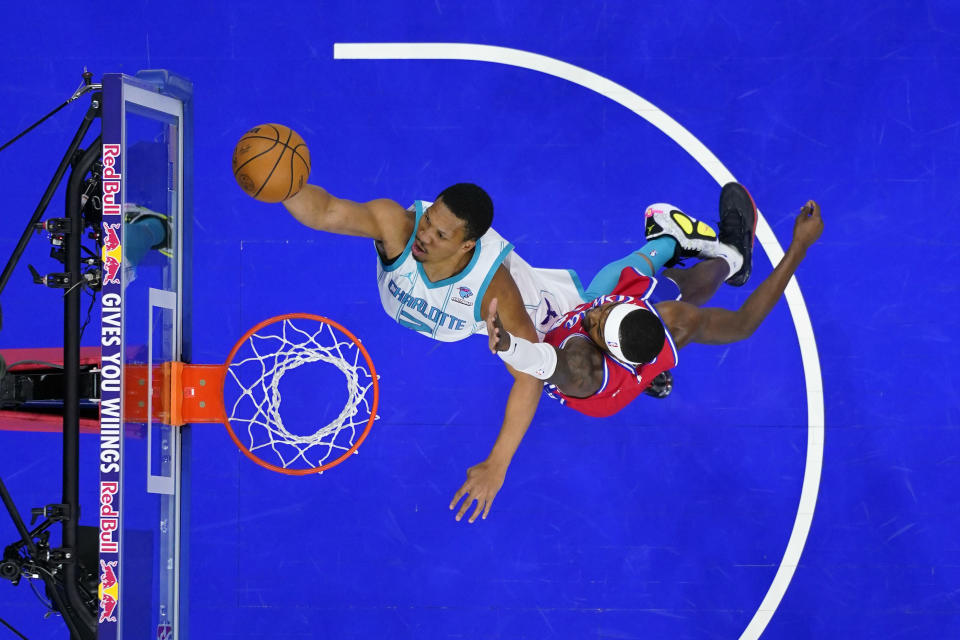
{"x":145,"y":230}
{"x":673,"y":235}
{"x":700,"y":282}
{"x":734,"y":244}
{"x":738,"y":228}
{"x":648,"y":260}
{"x":727,"y":256}
{"x":142,"y":236}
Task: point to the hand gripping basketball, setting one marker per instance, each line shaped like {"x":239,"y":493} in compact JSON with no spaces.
{"x":271,"y":162}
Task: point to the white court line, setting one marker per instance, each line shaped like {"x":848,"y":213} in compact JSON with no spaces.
{"x":713,"y":166}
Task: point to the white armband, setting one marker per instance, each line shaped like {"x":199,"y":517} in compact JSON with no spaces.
{"x":534,"y":358}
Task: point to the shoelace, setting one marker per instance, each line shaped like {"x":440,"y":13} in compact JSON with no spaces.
{"x":730,"y":227}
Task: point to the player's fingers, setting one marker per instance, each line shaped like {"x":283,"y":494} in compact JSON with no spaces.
{"x":495,"y":339}
{"x":476,"y":512}
{"x":463,"y":508}
{"x":457,"y":496}
{"x":486,"y":509}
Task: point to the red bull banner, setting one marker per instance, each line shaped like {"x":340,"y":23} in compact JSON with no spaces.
{"x":111,"y":360}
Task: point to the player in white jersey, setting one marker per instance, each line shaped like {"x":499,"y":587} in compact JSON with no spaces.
{"x":442,"y":244}
{"x":449,"y":310}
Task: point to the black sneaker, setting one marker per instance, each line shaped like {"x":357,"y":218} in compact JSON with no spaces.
{"x":738,"y":227}
{"x":661,"y":386}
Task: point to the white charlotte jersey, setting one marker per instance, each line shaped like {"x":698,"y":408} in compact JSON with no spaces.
{"x":449,"y":310}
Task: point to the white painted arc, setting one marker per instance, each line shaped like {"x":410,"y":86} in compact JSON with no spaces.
{"x":768,"y":241}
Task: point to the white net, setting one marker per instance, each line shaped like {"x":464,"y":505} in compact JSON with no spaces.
{"x":274,"y":351}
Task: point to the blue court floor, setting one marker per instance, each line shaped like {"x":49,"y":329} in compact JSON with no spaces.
{"x":671,"y":519}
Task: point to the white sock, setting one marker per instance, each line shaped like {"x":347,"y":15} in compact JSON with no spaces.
{"x":728,"y":252}
{"x":731,"y":255}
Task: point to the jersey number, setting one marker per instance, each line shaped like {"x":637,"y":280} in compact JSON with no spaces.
{"x":410,"y":322}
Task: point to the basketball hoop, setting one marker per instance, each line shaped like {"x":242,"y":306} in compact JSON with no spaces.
{"x":190,"y":393}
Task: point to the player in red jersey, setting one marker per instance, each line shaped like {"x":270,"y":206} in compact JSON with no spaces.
{"x":615,"y":380}
{"x":604,"y":353}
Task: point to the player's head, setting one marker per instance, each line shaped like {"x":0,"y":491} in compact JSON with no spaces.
{"x":471,"y":204}
{"x":628,"y":332}
{"x":451,"y":225}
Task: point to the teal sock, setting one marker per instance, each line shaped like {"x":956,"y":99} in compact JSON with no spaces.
{"x":141,"y":236}
{"x":659,"y":251}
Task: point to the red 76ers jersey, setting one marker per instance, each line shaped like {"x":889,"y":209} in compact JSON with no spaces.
{"x":621,"y":382}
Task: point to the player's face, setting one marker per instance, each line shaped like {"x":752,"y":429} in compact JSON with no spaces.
{"x":594,"y":322}
{"x":440,"y":235}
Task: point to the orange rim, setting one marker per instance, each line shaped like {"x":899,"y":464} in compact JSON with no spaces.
{"x":373,"y":407}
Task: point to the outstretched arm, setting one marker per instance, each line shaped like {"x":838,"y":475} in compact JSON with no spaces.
{"x":485,"y":479}
{"x":383,"y":220}
{"x":577,"y":369}
{"x":688,"y":323}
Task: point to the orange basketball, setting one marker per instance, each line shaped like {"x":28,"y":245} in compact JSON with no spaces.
{"x":271,"y":162}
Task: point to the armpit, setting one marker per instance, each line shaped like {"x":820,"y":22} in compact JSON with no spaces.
{"x":680,"y":319}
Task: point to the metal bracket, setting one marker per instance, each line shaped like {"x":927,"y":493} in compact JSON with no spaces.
{"x":53,"y":512}
{"x":54,"y":225}
{"x":53,"y":280}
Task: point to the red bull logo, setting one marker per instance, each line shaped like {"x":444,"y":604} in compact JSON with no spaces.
{"x":109,"y":515}
{"x":111,"y":179}
{"x":112,"y":253}
{"x":109,"y":591}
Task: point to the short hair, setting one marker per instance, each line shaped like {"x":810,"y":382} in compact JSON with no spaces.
{"x":471,"y":204}
{"x":641,"y":336}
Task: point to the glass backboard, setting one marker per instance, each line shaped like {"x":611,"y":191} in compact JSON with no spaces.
{"x":142,"y":470}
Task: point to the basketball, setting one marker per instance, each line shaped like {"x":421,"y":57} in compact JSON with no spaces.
{"x":271,"y":162}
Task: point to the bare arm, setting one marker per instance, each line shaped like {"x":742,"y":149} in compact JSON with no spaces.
{"x":688,"y":323}
{"x":485,"y":479}
{"x":383,"y":220}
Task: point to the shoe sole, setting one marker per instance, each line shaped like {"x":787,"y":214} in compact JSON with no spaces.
{"x":663,"y":389}
{"x":740,"y":278}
